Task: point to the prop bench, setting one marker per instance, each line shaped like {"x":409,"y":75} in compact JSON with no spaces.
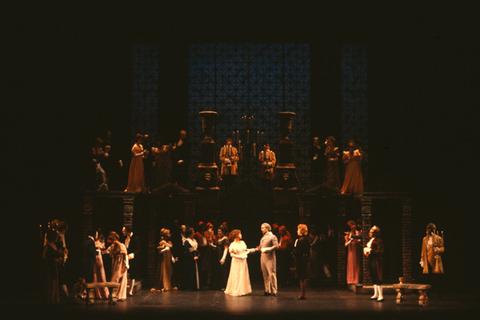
{"x":422,"y":290}
{"x":112,"y":287}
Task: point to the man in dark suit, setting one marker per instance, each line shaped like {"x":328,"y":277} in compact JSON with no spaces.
{"x":88,"y":258}
{"x":132,"y":243}
{"x":181,"y":154}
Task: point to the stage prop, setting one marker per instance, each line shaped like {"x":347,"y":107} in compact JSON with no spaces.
{"x":422,"y":290}
{"x":112,"y":287}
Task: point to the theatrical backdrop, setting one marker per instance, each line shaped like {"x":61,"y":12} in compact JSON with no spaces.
{"x":395,"y":86}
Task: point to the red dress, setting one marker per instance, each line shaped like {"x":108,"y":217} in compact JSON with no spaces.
{"x":354,"y":261}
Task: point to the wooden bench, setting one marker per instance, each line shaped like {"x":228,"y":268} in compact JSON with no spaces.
{"x":422,"y":290}
{"x":112,"y":288}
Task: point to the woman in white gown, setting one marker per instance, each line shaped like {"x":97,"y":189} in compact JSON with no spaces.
{"x":238,"y":280}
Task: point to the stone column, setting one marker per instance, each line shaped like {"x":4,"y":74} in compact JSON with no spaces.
{"x":407,"y":240}
{"x":128,"y":209}
{"x":87,"y":214}
{"x":366,"y":225}
{"x":341,"y":256}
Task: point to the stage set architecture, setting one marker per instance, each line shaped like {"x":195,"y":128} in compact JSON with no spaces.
{"x":143,"y":210}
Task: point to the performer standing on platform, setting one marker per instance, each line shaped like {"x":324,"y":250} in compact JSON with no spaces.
{"x":239,"y":279}
{"x":354,"y":259}
{"x":332,"y":154}
{"x":268,"y":261}
{"x":99,"y":157}
{"x":120,"y":264}
{"x":190,"y":270}
{"x":147,"y":161}
{"x":374,"y":252}
{"x":267,"y":161}
{"x":353,"y":173}
{"x":431,"y":259}
{"x":229,"y":158}
{"x":318,"y":162}
{"x":181,"y":154}
{"x":136,"y":176}
{"x":162,"y":164}
{"x":132,"y":243}
{"x":112,"y":162}
{"x":301,"y":252}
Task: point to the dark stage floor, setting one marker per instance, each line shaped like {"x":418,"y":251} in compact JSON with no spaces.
{"x":326,"y":303}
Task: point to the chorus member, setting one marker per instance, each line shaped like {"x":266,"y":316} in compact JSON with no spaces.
{"x":229,"y":158}
{"x":99,"y":155}
{"x":223,"y":244}
{"x":238,"y":280}
{"x":268,"y":262}
{"x":99,"y":270}
{"x":210,"y":264}
{"x":267,"y":161}
{"x":301,"y":252}
{"x":318,"y":162}
{"x":162,"y":164}
{"x":120,"y":265}
{"x":136,"y":176}
{"x":332,"y":154}
{"x":180,"y":159}
{"x":164,"y":272}
{"x":374,"y":252}
{"x":353,"y":182}
{"x":431,"y":257}
{"x":283,"y":255}
{"x":190,"y":277}
{"x":132,"y":243}
{"x":61,"y":228}
{"x":354,"y":257}
{"x":51,"y":259}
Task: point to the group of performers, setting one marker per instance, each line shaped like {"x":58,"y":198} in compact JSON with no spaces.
{"x":205,"y":259}
{"x":430,"y":261}
{"x":155,"y":165}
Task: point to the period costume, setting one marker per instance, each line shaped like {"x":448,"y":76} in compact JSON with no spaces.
{"x":268,"y":262}
{"x":223,"y":255}
{"x":190,"y":269}
{"x":301,"y":252}
{"x":132,"y":244}
{"x":239,"y":279}
{"x":353,"y":182}
{"x":181,"y":152}
{"x":229,"y":158}
{"x":163,"y":165}
{"x":431,"y":260}
{"x":136,"y":176}
{"x":88,"y":259}
{"x":267,"y":162}
{"x":120,"y":265}
{"x":318,"y":164}
{"x":374,"y":252}
{"x":51,"y":259}
{"x":164,"y":272}
{"x":354,"y":260}
{"x":99,"y":272}
{"x":332,"y":168}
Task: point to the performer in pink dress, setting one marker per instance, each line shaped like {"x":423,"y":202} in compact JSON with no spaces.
{"x":354,"y":258}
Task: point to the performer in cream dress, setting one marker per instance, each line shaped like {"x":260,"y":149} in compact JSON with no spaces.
{"x":238,"y":280}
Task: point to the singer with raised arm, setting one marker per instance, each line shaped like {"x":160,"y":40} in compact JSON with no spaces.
{"x":229,"y":158}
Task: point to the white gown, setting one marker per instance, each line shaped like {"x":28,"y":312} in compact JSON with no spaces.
{"x":238,"y":280}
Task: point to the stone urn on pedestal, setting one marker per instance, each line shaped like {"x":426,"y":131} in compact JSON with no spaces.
{"x":207,"y":171}
{"x":285,"y":171}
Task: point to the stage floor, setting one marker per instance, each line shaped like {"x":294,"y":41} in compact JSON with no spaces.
{"x":325,"y":302}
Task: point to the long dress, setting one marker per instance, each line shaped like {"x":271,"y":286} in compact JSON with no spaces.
{"x":239,"y":280}
{"x":223,"y":274}
{"x":51,"y":269}
{"x":99,"y":273}
{"x":353,"y":182}
{"x":354,"y":261}
{"x":164,"y":272}
{"x":136,"y":176}
{"x":118,"y":252}
{"x":301,"y":251}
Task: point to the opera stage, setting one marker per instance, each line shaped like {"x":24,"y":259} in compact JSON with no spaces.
{"x":326,"y":302}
